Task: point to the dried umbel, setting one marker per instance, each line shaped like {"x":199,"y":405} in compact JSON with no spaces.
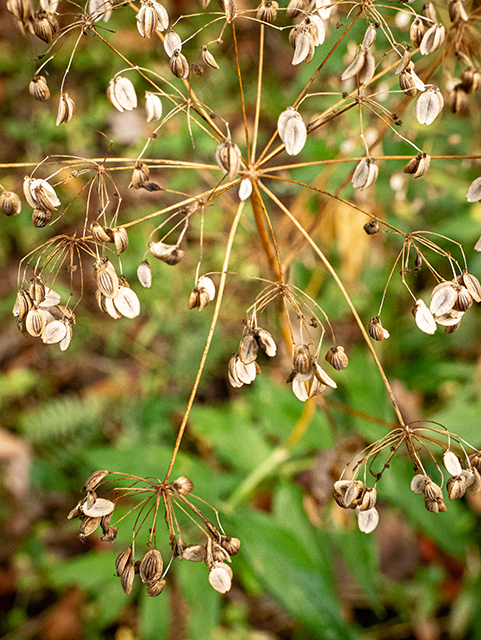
{"x":228,"y":157}
{"x":66,"y":108}
{"x":45,"y":25}
{"x":292,"y":131}
{"x":38,"y":88}
{"x":152,"y":17}
{"x":10,"y":203}
{"x":121,"y":93}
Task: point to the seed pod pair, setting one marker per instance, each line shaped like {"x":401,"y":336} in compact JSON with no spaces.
{"x":239,"y":373}
{"x":152,"y":17}
{"x":292,"y":131}
{"x":40,"y":194}
{"x":457,"y":12}
{"x":66,"y":108}
{"x":45,"y":25}
{"x":433,"y":496}
{"x":365,"y":174}
{"x":363,"y":66}
{"x":101,"y":234}
{"x":432,"y":39}
{"x":419,"y":165}
{"x":376,"y":330}
{"x":302,"y":39}
{"x":458,"y":99}
{"x":470,"y":80}
{"x":203,"y":293}
{"x":153,"y":106}
{"x":230,"y":9}
{"x":121,"y":94}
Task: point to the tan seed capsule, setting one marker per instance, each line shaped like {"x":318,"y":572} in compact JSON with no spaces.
{"x":418,"y":166}
{"x":35,"y":322}
{"x":220,"y":577}
{"x":470,"y":80}
{"x":127,"y":579}
{"x":45,"y":25}
{"x":183,"y":485}
{"x":100,"y":507}
{"x":23,"y":304}
{"x":372,"y":227}
{"x":151,"y":566}
{"x":457,"y":12}
{"x":101,"y":234}
{"x":456,"y":487}
{"x":37,"y":290}
{"x":292,"y":131}
{"x":267,"y":11}
{"x":208,"y":58}
{"x":231,"y":545}
{"x":472,"y":285}
{"x":10,"y":203}
{"x":178,"y":65}
{"x":169,"y":253}
{"x":172,"y":42}
{"x":38,"y":88}
{"x":121,"y":93}
{"x":107,"y":279}
{"x":126,"y":302}
{"x":66,"y":108}
{"x":416,"y":32}
{"x":457,"y":100}
{"x":144,"y":274}
{"x":140,"y":174}
{"x":156,"y":588}
{"x":88,"y":526}
{"x":153,"y":107}
{"x":407,"y":83}
{"x":21,"y":9}
{"x":376,"y":330}
{"x":248,"y":348}
{"x":95,"y":479}
{"x":266,"y":341}
{"x":337,"y":358}
{"x":230,"y":8}
{"x":194,"y":553}
{"x":302,"y":359}
{"x":365,"y":173}
{"x":152,"y":17}
{"x":432,"y":39}
{"x":121,"y":239}
{"x":124,"y":558}
{"x":228,"y":157}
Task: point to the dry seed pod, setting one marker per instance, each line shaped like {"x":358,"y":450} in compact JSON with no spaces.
{"x":151,"y":566}
{"x":419,"y":165}
{"x":172,"y":42}
{"x":183,"y":485}
{"x":152,"y":17}
{"x":121,"y":93}
{"x":169,"y":253}
{"x":35,"y":322}
{"x":109,"y":534}
{"x":266,"y":341}
{"x":178,"y":65}
{"x":194,"y":553}
{"x":428,"y":11}
{"x":407,"y":83}
{"x":100,"y":508}
{"x":220,"y":577}
{"x":376,"y":330}
{"x":472,"y":285}
{"x":127,"y":303}
{"x":432,"y":39}
{"x":66,"y":108}
{"x":464,"y":300}
{"x":155,"y":588}
{"x":299,"y":386}
{"x":404,"y":63}
{"x":144,"y":274}
{"x":470,"y":80}
{"x":457,"y":12}
{"x":101,"y":234}
{"x":302,"y":359}
{"x":228,"y":157}
{"x":363,"y":66}
{"x":434,"y":506}
{"x":369,"y":36}
{"x":248,"y":348}
{"x":456,"y":487}
{"x":95,"y":479}
{"x":367,"y":520}
{"x":320,"y":32}
{"x":429,"y":106}
{"x":474,"y":191}
{"x":303,"y":47}
{"x":38,"y":88}
{"x":88,"y":526}
{"x":372,"y":227}
{"x":295,"y":7}
{"x":41,"y":218}
{"x":140,"y":174}
{"x":107,"y":279}
{"x":267,"y":11}
{"x":10,"y":203}
{"x":53,"y":333}
{"x":365,"y":174}
{"x":52,"y":298}
{"x":208,"y":58}
{"x":153,"y":106}
{"x":443,"y":298}
{"x":245,"y":373}
{"x":245,"y":189}
{"x":424,"y":318}
{"x":451,"y":463}
{"x":458,"y":100}
{"x":231,"y":545}
{"x":40,"y":194}
{"x":450,"y":319}
{"x":218,"y":554}
{"x":416,"y":32}
{"x":368,"y":499}
{"x":292,"y":131}
{"x":121,"y":239}
{"x":124,"y":558}
{"x":127,"y":579}
{"x":323,"y":377}
{"x":21,"y":9}
{"x":337,"y":358}
{"x":230,"y":8}
{"x":45,"y":25}
{"x":23,"y":304}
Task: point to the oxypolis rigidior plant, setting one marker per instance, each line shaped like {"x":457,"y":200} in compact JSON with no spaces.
{"x":393,"y":71}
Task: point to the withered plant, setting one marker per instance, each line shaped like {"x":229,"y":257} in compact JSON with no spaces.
{"x":289,"y":171}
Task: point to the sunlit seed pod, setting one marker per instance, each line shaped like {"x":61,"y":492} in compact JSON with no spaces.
{"x":407,"y":83}
{"x":153,"y":107}
{"x":372,"y":227}
{"x":292,"y":131}
{"x":41,"y":218}
{"x":457,"y":100}
{"x":35,"y":322}
{"x":144,"y":274}
{"x":432,"y":39}
{"x":194,"y":553}
{"x":355,"y":67}
{"x":424,"y":318}
{"x":127,"y":303}
{"x":121,"y":93}
{"x":208,"y":58}
{"x":464,"y":300}
{"x":228,"y":157}
{"x":152,"y":17}
{"x":352,"y":492}
{"x":121,"y":239}
{"x":432,"y":490}
{"x":418,"y":166}
{"x":416,"y":32}
{"x":365,"y":174}
{"x":267,"y":11}
{"x":245,"y":189}
{"x":451,"y":463}
{"x":449,"y":319}
{"x":124,"y":558}
{"x":323,"y":377}
{"x":54,"y":332}
{"x":21,"y":9}
{"x":172,"y":42}
{"x":295,"y":7}
{"x":368,"y":500}
{"x":266,"y":341}
{"x":141,"y":172}
{"x":231,"y":545}
{"x":303,"y":47}
{"x":443,"y":298}
{"x":368,"y":520}
{"x":40,"y":194}
{"x":337,"y":358}
{"x":376,"y":330}
{"x":248,"y":348}
{"x":245,"y":373}
{"x":183,"y":485}
{"x":127,"y":579}
{"x":429,"y":106}
{"x":472,"y":285}
{"x":38,"y":88}
{"x":178,"y":65}
{"x":155,"y":588}
{"x":23,"y":304}
{"x":230,"y":9}
{"x":95,"y":479}
{"x":100,"y":9}
{"x":474,"y":191}
{"x":66,"y":109}
{"x":428,"y":11}
{"x":169,"y":253}
{"x":74,"y":513}
{"x":101,"y":234}
{"x":52,"y":298}
{"x":320,"y":34}
{"x":456,"y":487}
{"x":418,"y":483}
{"x":107,"y":279}
{"x":457,"y":12}
{"x":89,"y":502}
{"x":88,"y":526}
{"x":10,"y":203}
{"x":299,"y":388}
{"x":49,"y":5}
{"x":208,"y":285}
{"x":100,"y":508}
{"x":151,"y":566}
{"x":232,"y":374}
{"x":316,"y":387}
{"x":220,"y":577}
{"x":101,"y":300}
{"x":369,"y":36}
{"x":302,"y":360}
{"x":45,"y":25}
{"x":404,"y":62}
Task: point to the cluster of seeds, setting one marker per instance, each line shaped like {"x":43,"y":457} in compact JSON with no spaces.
{"x":216,"y":552}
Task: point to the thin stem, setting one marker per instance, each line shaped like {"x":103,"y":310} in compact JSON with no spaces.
{"x":259,"y":92}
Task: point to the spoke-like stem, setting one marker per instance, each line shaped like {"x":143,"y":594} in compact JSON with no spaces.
{"x":259,"y":92}
{"x":213,"y":324}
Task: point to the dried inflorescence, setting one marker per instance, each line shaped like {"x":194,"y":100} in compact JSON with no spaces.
{"x":94,"y":512}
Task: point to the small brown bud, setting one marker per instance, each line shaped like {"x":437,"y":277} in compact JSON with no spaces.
{"x":183,"y":485}
{"x":372,"y":227}
{"x":376,"y":330}
{"x":267,"y":11}
{"x":231,"y":545}
{"x":156,"y":588}
{"x":337,"y":358}
{"x":38,"y":88}
{"x":151,"y":566}
{"x":45,"y":25}
{"x":10,"y":203}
